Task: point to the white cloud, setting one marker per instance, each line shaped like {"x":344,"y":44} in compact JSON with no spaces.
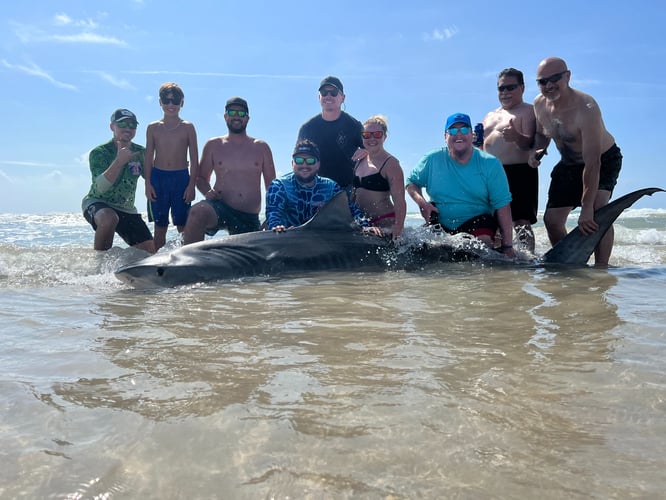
{"x":62,"y":19}
{"x":33,"y":70}
{"x":116,"y":82}
{"x":88,"y":35}
{"x":440,"y":35}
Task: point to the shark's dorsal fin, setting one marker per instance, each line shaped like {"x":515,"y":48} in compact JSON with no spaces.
{"x":576,"y":248}
{"x":335,"y":214}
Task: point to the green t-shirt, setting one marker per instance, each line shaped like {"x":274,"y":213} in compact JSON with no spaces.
{"x":120,"y":194}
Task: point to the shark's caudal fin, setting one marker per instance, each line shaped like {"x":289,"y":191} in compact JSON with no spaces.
{"x":335,"y":214}
{"x":576,"y":248}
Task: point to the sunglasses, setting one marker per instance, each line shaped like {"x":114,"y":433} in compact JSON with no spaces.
{"x":461,"y":130}
{"x":299,"y":160}
{"x":377,"y":134}
{"x":237,"y":112}
{"x":510,"y":88}
{"x":125,"y":124}
{"x":170,"y":100}
{"x":332,"y":92}
{"x":552,"y":79}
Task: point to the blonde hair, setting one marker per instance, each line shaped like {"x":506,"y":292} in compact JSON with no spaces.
{"x":377,"y":120}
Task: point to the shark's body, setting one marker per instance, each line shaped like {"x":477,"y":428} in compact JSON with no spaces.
{"x":329,"y":242}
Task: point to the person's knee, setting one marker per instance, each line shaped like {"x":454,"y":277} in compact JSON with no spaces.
{"x":106,"y":219}
{"x":551,"y":219}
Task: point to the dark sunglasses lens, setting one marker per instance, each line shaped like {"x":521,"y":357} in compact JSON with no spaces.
{"x":171,"y":100}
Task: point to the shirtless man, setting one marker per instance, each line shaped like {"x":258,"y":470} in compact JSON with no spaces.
{"x":590,"y":163}
{"x":509,"y":133}
{"x":169,"y":184}
{"x":238,"y":161}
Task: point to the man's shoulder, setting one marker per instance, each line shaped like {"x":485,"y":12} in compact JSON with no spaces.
{"x":346,"y":116}
{"x":314,"y":120}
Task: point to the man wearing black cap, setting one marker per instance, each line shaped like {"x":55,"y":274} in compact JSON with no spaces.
{"x":294,"y":198}
{"x":238,"y":162}
{"x":109,"y":205}
{"x":337,"y":133}
{"x":467,"y":187}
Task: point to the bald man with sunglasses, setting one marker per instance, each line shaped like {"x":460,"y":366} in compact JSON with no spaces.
{"x":590,"y":160}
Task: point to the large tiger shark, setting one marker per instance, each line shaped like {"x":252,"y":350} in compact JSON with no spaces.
{"x":330,"y":242}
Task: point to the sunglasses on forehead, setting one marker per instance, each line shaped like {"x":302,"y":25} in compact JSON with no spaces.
{"x":126,"y":124}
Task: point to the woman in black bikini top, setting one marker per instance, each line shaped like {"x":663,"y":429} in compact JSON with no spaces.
{"x":379,"y":186}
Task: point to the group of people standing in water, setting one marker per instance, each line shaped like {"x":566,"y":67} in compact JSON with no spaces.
{"x":484,"y":182}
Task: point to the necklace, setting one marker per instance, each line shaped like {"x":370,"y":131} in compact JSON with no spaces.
{"x":173,"y":128}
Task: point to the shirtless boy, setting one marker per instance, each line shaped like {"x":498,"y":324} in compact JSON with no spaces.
{"x":590,"y":163}
{"x":239,"y":162}
{"x":169,"y":184}
{"x":509,"y":133}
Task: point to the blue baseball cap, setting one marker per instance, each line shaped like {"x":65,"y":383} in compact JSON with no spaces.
{"x":458,"y":118}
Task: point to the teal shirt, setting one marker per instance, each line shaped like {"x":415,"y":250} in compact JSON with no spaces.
{"x":119,"y":195}
{"x":462,"y":191}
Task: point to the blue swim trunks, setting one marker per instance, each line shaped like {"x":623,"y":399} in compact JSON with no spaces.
{"x":170,"y":188}
{"x":232,"y":220}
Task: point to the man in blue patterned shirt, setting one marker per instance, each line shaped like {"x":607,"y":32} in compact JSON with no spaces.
{"x":294,"y":198}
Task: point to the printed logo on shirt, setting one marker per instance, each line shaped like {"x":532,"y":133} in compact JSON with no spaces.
{"x":134,"y":167}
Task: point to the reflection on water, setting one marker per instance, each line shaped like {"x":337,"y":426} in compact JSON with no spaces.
{"x":467,"y":381}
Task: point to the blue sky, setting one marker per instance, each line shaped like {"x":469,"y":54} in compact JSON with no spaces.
{"x":65,"y":66}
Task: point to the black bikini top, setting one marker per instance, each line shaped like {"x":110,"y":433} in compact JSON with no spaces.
{"x":374,"y":182}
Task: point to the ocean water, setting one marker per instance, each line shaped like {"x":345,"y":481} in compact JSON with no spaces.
{"x":466,"y":380}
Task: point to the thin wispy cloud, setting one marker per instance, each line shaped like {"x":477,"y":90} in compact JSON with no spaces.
{"x":65,"y":20}
{"x":225,"y":75}
{"x":18,"y":163}
{"x":33,"y":70}
{"x":116,"y":82}
{"x":79,"y":31}
{"x":438,"y":35}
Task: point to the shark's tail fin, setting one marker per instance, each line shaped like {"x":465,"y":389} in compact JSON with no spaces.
{"x":576,"y":248}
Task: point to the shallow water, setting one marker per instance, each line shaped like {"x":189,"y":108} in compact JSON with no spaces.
{"x":468,"y":380}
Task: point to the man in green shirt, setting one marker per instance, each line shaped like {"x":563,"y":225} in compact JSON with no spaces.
{"x":109,"y":205}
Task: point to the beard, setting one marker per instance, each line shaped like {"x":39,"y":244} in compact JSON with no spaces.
{"x":236,"y":128}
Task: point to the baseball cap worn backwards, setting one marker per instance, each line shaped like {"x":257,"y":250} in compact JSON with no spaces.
{"x":306,"y":148}
{"x":458,"y":118}
{"x":120,"y":115}
{"x":333,"y":81}
{"x":236,"y":101}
